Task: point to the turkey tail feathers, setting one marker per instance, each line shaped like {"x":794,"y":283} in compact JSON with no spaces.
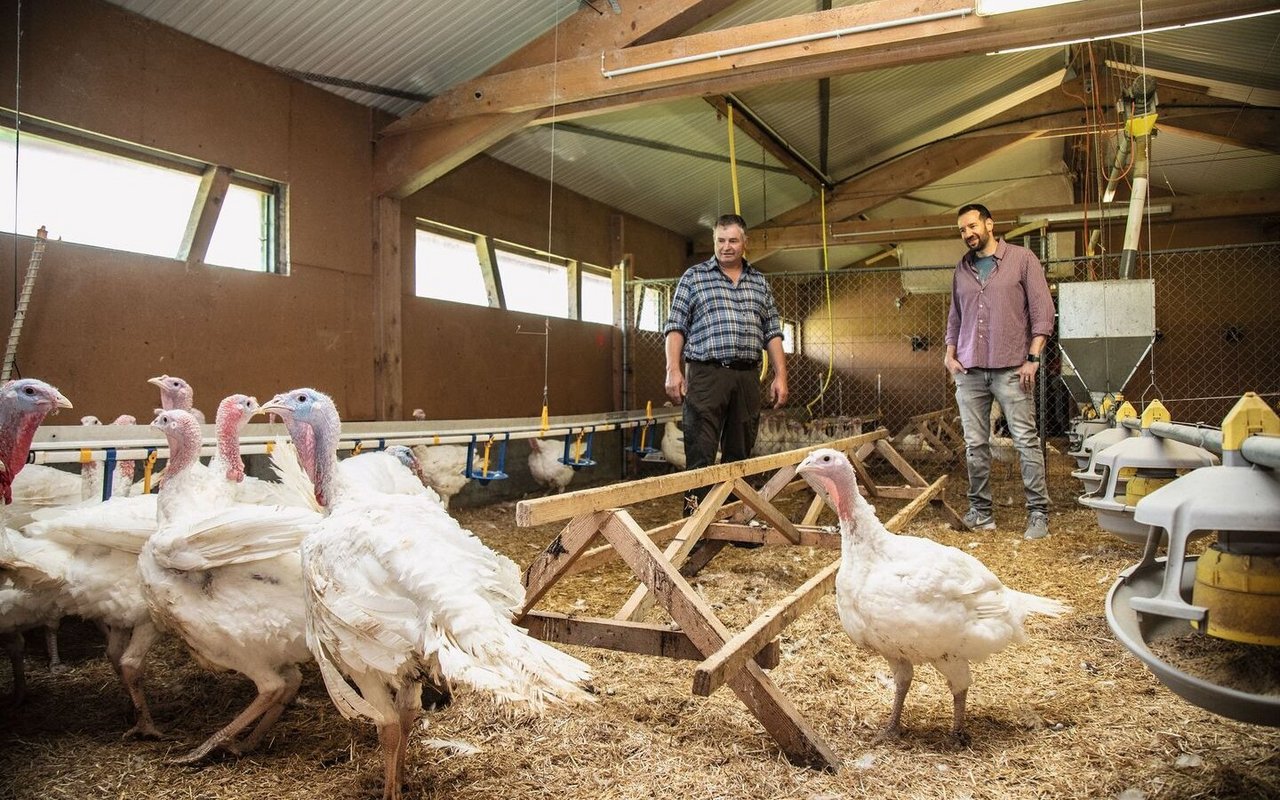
{"x":1035,"y":604}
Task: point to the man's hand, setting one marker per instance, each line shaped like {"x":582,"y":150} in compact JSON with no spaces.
{"x":953,"y":366}
{"x":1027,"y":375}
{"x":778,"y":392}
{"x":675,"y":386}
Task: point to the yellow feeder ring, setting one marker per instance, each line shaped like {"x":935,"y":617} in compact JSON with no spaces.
{"x":1242,"y":595}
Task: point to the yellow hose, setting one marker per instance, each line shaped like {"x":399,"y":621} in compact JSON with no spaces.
{"x":831,"y":326}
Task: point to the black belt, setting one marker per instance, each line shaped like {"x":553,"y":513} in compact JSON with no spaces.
{"x":739,"y":364}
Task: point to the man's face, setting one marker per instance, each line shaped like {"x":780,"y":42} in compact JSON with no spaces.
{"x":975,"y":230}
{"x":731,"y":242}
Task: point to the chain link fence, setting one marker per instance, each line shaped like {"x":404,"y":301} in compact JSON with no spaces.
{"x":865,"y":346}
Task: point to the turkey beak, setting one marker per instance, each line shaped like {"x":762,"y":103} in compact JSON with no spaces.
{"x":63,"y":402}
{"x":157,"y":381}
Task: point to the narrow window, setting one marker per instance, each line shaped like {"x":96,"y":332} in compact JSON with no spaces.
{"x":447,"y":268}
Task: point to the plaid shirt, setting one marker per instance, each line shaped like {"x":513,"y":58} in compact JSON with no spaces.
{"x":721,"y":321}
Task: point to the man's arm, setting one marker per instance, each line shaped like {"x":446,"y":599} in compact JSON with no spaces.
{"x":778,"y":389}
{"x":674,"y":382}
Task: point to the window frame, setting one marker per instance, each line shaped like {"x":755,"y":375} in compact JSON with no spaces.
{"x":488,"y":253}
{"x":206,"y":205}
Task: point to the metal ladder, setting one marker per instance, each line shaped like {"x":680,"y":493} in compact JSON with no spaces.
{"x":20,"y":313}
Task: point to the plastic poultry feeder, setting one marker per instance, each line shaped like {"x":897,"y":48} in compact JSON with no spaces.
{"x":1134,"y":468}
{"x":1095,"y":444}
{"x":1231,"y":592}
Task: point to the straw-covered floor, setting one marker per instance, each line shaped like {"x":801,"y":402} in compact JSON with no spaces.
{"x":1070,"y":714}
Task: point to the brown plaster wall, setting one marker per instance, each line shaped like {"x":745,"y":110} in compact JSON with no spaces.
{"x":101,"y":321}
{"x":464,"y":361}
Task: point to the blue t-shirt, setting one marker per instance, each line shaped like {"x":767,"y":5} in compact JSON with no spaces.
{"x":984,"y":265}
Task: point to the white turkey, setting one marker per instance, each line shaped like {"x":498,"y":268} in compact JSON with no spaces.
{"x":545,"y":465}
{"x":401,"y":597}
{"x":176,"y":393}
{"x":672,"y":444}
{"x":444,"y":468}
{"x":27,"y":599}
{"x":913,"y":600}
{"x":93,"y":550}
{"x":227,"y":578}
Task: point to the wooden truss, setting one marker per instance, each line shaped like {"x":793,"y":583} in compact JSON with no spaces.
{"x":942,"y":434}
{"x":736,"y":659}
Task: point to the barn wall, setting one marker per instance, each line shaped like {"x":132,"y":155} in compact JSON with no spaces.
{"x":102,"y":321}
{"x":464,"y":361}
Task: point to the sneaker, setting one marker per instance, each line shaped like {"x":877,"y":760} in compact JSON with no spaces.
{"x":977,"y":520}
{"x":1037,"y":525}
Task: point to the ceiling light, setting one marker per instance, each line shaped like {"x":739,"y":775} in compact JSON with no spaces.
{"x":988,"y":8}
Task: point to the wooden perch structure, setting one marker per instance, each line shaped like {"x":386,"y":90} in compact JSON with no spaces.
{"x":736,"y":660}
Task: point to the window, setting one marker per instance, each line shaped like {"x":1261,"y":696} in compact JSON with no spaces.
{"x":597,"y":298}
{"x":460,"y":265}
{"x":447,"y":268}
{"x":788,"y":337}
{"x":537,"y":285}
{"x":651,"y":314}
{"x":107,"y":194}
{"x":244,"y":236}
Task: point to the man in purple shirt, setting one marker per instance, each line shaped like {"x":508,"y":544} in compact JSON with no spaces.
{"x":1001,"y":316}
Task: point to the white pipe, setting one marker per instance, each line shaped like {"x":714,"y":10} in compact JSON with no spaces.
{"x":808,"y":37}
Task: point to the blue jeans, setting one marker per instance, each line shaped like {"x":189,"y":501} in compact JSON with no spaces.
{"x":975,"y":390}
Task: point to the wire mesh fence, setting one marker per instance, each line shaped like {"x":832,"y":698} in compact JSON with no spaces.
{"x":865,"y":346}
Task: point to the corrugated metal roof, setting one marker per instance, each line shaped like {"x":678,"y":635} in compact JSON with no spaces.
{"x":405,"y":45}
{"x":664,"y":163}
{"x":1190,"y":165}
{"x":659,"y":162}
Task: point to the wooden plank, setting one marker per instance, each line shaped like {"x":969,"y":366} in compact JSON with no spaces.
{"x":549,"y":509}
{"x":710,"y":674}
{"x":1185,"y":208}
{"x":903,"y":518}
{"x":626,"y":637}
{"x":866,"y":483}
{"x":690,"y":534}
{"x":815,"y":510}
{"x":899,"y":463}
{"x":568,"y":82}
{"x":728,"y":532}
{"x":695,"y":617}
{"x":488,"y":258}
{"x":557,"y":557}
{"x":766,"y":509}
{"x":388,"y":269}
{"x":775,"y":146}
{"x":782,"y":482}
{"x":204,"y":215}
{"x":412,"y":152}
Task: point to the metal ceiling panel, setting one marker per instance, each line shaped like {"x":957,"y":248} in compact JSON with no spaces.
{"x":1190,"y":165}
{"x":405,"y":45}
{"x":666,"y":163}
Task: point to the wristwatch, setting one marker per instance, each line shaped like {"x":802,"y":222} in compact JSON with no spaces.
{"x":1033,"y":358}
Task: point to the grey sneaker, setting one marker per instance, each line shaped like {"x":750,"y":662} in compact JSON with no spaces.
{"x":1037,"y":525}
{"x":976,"y":520}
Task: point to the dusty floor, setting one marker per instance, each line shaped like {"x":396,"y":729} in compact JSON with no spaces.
{"x":1070,"y":714}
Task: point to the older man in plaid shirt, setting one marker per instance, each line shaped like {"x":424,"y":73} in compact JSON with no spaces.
{"x":722,"y":316}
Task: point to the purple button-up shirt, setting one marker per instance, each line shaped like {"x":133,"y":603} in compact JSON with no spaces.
{"x":992,"y":324}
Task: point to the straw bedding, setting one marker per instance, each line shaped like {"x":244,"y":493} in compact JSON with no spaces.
{"x":1070,"y":714}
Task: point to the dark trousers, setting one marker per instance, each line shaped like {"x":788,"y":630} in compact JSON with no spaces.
{"x":721,"y":412}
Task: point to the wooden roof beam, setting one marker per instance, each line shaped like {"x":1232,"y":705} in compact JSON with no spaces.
{"x":1186,"y":208}
{"x":413,"y":151}
{"x":775,"y":145}
{"x":595,"y":78}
